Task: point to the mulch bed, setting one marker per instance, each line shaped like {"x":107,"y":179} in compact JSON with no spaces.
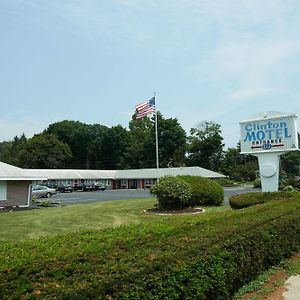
{"x":188,"y":210}
{"x":33,"y":206}
{"x":15,"y":208}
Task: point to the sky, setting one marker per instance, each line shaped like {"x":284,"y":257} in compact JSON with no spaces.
{"x":93,"y":60}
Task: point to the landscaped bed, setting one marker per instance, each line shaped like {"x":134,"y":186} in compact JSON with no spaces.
{"x":204,"y":256}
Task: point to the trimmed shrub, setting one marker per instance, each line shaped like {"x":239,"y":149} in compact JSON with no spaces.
{"x":172,"y":193}
{"x":204,"y":191}
{"x":295,"y":183}
{"x":198,"y":257}
{"x":225,"y":181}
{"x":250,"y":199}
{"x":289,"y":188}
{"x":257,"y":183}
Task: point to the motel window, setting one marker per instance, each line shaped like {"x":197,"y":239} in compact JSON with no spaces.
{"x":3,"y":190}
{"x":124,"y":183}
{"x":148,"y":182}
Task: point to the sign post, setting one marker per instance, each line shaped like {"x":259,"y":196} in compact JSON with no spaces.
{"x":267,"y":136}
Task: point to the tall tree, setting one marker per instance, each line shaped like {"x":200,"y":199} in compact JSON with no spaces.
{"x":44,"y":151}
{"x":172,"y":142}
{"x":205,"y":147}
{"x":114,"y":145}
{"x":71,"y":133}
{"x":9,"y":151}
{"x":141,"y":151}
{"x":84,"y":140}
{"x":290,"y":162}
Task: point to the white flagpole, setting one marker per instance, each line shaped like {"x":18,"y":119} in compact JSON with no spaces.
{"x":156,"y":138}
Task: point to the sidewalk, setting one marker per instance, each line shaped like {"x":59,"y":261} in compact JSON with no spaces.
{"x":293,"y":288}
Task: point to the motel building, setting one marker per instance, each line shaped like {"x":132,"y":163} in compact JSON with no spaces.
{"x":118,"y":179}
{"x":15,"y":183}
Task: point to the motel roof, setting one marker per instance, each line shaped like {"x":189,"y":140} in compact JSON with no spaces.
{"x":123,"y":174}
{"x":73,"y":173}
{"x":9,"y":172}
{"x":153,"y":173}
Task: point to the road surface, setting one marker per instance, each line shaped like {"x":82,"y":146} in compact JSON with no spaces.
{"x":110,"y":195}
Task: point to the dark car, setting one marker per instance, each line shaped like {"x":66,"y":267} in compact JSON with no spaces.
{"x":64,"y":188}
{"x":99,"y":187}
{"x":84,"y":187}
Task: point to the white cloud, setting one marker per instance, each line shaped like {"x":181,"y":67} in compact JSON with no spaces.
{"x":248,"y":93}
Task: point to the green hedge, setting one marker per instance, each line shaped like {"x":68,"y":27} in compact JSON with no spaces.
{"x":225,"y":181}
{"x":204,"y":191}
{"x":257,"y":183}
{"x":245,"y":200}
{"x":200,"y":257}
{"x":172,"y":193}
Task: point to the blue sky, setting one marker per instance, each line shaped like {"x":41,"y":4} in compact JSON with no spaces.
{"x":93,"y":61}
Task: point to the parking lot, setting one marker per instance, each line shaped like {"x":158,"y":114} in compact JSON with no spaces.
{"x":110,"y":195}
{"x":99,"y":196}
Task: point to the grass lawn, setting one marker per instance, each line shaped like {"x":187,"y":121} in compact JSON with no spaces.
{"x":23,"y":225}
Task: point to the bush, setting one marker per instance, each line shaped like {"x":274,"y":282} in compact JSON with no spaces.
{"x":204,"y":191}
{"x":198,"y":257}
{"x":225,"y":181}
{"x":172,"y":193}
{"x":295,"y":183}
{"x":250,"y":199}
{"x":257,"y":183}
{"x":289,"y":188}
{"x":282,"y":180}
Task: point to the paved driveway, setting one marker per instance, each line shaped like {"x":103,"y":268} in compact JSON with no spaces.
{"x":99,"y":196}
{"x":110,"y":195}
{"x":238,"y":190}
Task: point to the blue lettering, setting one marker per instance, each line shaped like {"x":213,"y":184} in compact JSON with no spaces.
{"x":260,"y":135}
{"x":250,"y":136}
{"x":278,"y":133}
{"x":286,"y":133}
{"x":270,"y":133}
{"x":249,"y":127}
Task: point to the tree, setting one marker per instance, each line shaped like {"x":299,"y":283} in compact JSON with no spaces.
{"x":235,"y":165}
{"x":114,"y":145}
{"x":141,"y":150}
{"x":290,"y":162}
{"x":44,"y":151}
{"x":84,"y":140}
{"x":9,"y":151}
{"x":205,"y":147}
{"x":172,"y":142}
{"x":71,"y":133}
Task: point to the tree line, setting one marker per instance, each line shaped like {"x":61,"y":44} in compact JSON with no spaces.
{"x":76,"y":145}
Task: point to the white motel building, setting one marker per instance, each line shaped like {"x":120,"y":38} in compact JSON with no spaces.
{"x":15,"y":182}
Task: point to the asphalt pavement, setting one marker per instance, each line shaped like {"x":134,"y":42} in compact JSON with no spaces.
{"x":110,"y":195}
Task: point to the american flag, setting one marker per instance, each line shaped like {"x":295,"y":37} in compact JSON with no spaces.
{"x":145,"y":108}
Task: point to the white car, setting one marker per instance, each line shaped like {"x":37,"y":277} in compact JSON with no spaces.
{"x":42,"y":191}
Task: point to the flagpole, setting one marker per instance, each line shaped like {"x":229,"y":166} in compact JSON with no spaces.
{"x":156,"y":138}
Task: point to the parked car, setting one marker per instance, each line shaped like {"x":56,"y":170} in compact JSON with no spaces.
{"x":84,"y":187}
{"x":99,"y":187}
{"x":42,"y":191}
{"x":63,"y":188}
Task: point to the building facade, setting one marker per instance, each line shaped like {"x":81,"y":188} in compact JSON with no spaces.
{"x":119,"y":179}
{"x":15,"y":186}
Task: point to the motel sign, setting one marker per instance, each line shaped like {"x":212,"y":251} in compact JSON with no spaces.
{"x":267,"y":136}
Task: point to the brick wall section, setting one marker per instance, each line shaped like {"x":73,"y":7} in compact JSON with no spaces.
{"x":17,"y":193}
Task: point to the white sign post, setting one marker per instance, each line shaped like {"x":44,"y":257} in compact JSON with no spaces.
{"x":267,"y":136}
